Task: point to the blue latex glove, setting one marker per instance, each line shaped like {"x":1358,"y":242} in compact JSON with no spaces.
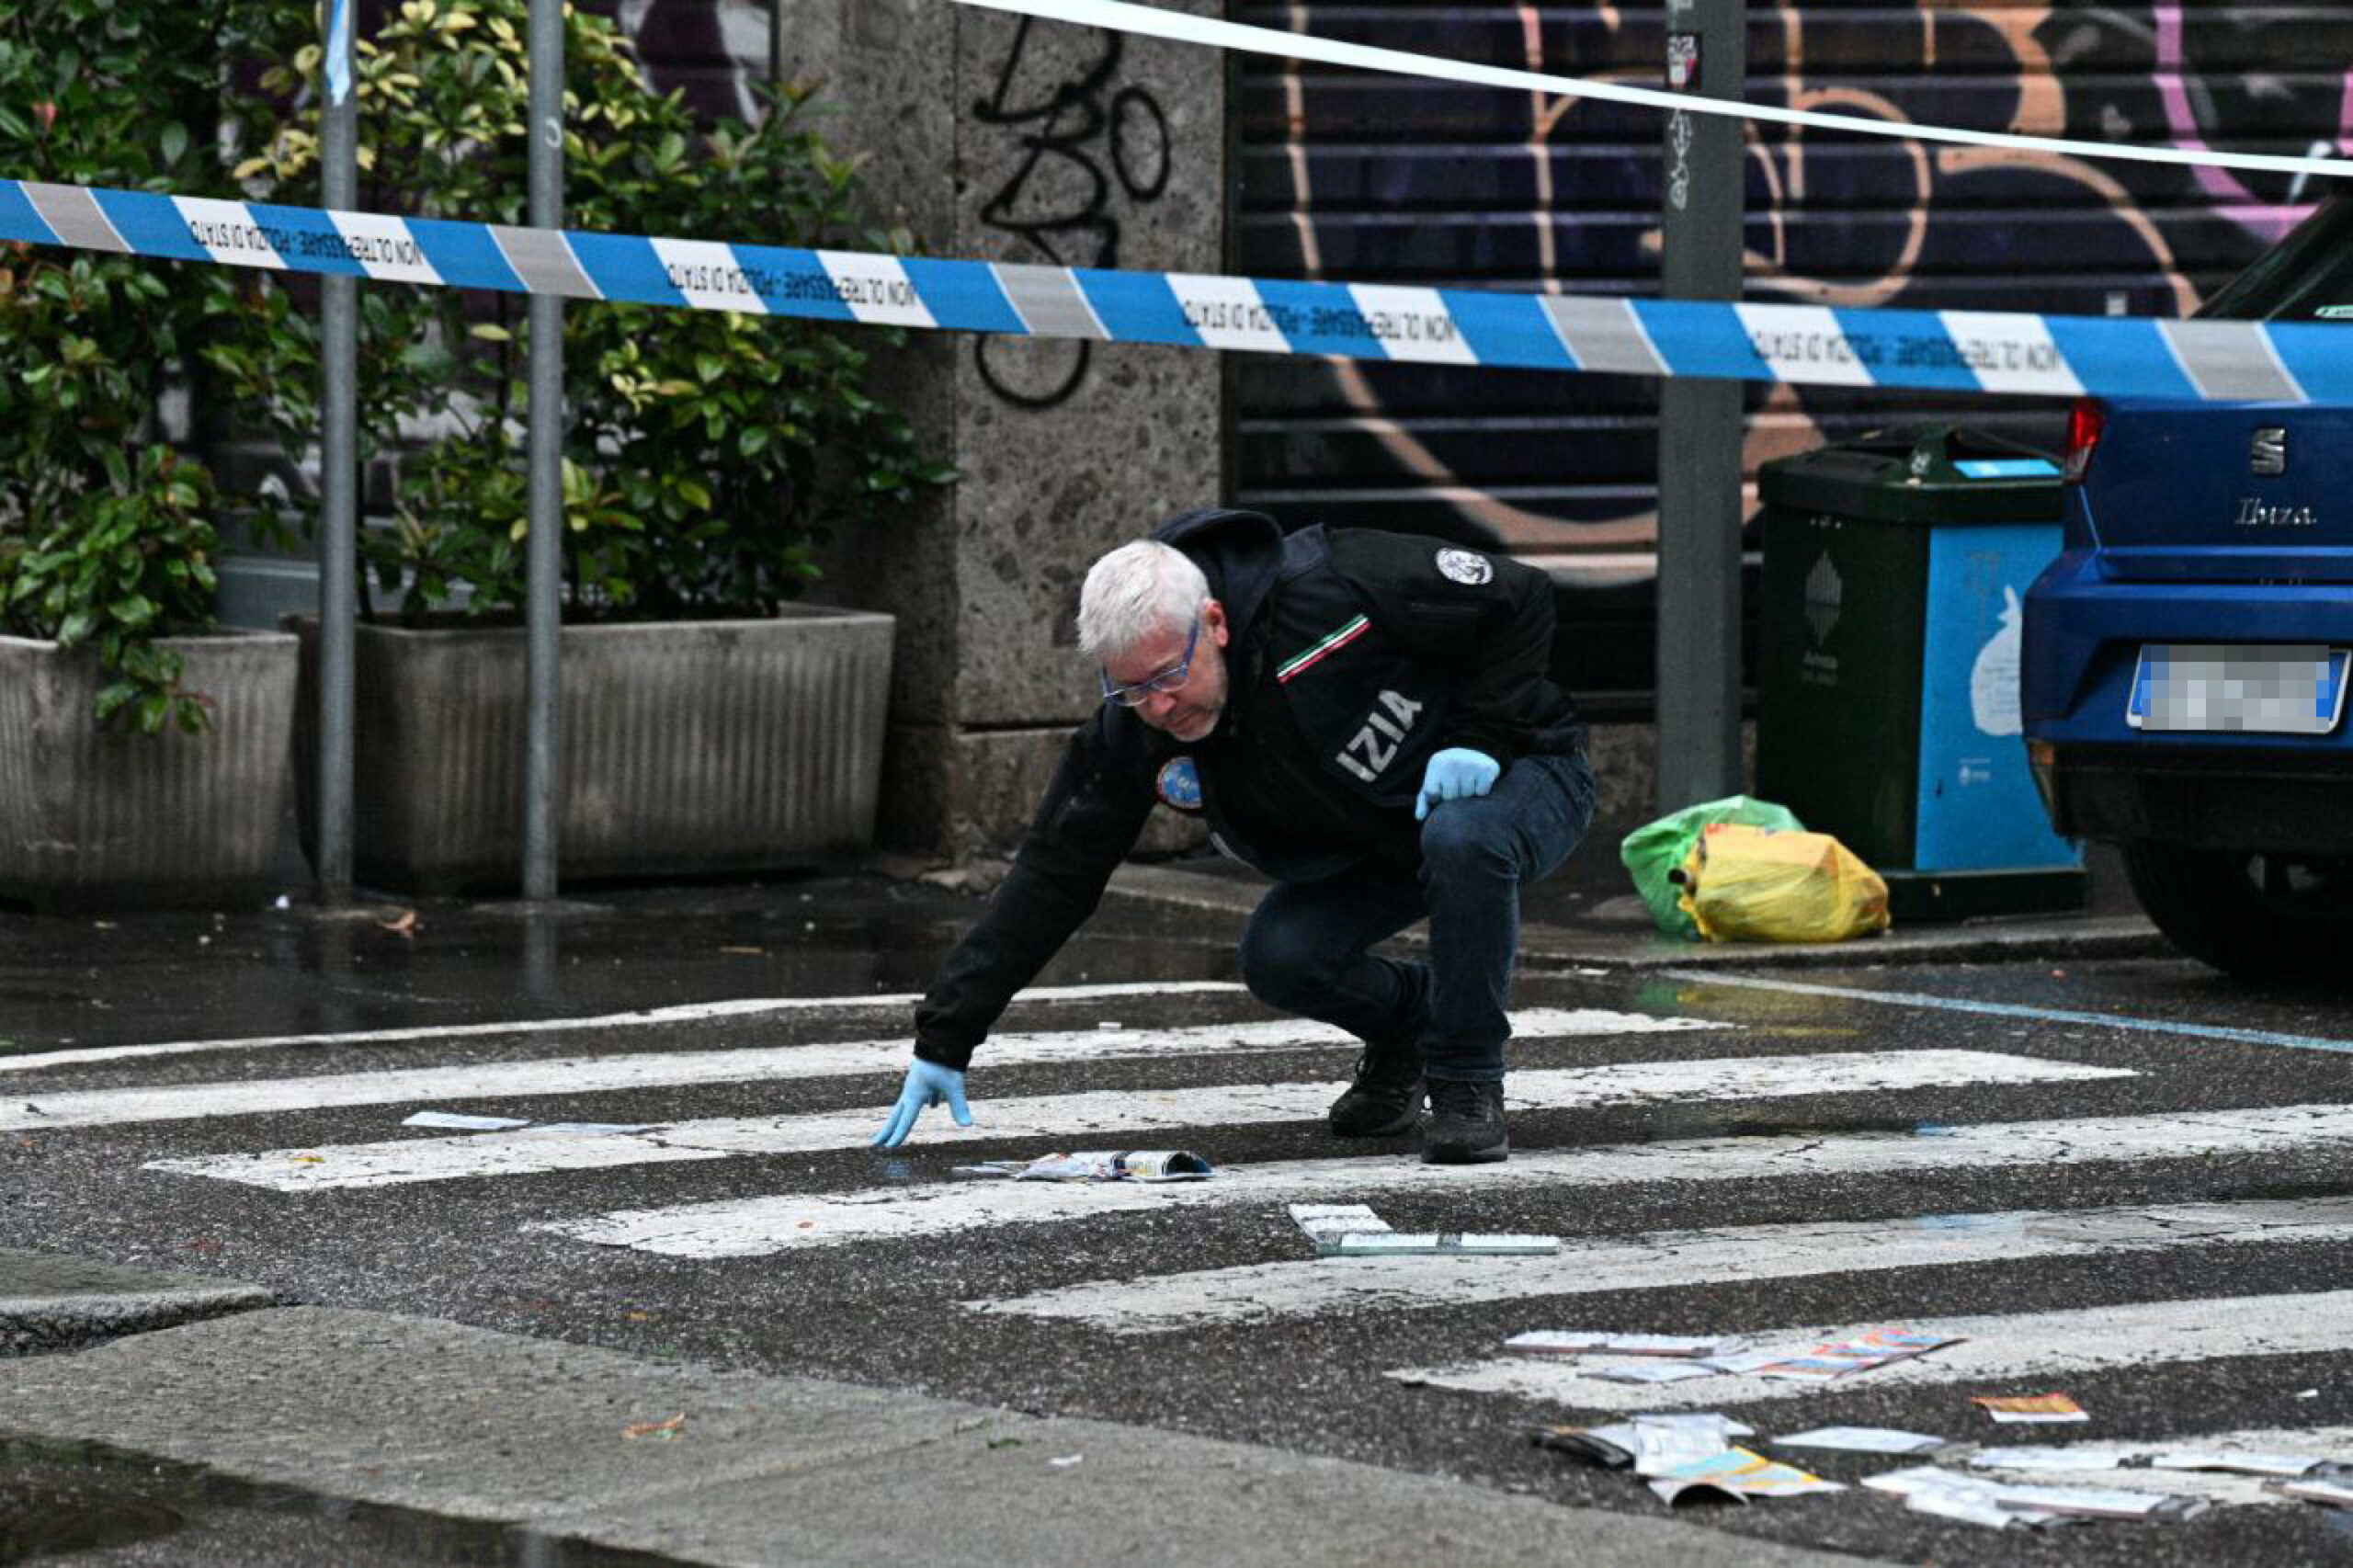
{"x":928,"y":1083}
{"x":1456,"y":774}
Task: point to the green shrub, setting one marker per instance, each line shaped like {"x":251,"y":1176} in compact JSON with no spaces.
{"x":105,"y":537}
{"x":705,"y":452}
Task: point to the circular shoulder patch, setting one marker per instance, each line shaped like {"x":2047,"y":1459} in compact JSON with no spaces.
{"x":1180,"y":784}
{"x":1465,"y":566}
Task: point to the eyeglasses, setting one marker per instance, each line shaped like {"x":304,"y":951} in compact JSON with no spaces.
{"x":1169,"y":679}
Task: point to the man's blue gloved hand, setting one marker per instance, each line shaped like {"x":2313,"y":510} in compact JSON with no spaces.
{"x":928,"y":1083}
{"x":1456,"y":774}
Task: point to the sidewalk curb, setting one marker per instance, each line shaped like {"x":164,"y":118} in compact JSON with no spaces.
{"x":1992,"y":941}
{"x":1630,"y":947}
{"x":52,"y":1302}
{"x":430,"y":1419}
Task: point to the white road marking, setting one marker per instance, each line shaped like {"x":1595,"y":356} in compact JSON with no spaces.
{"x":2008,"y":1344}
{"x":1109,"y":1118}
{"x":2222,"y":1489}
{"x":586,"y":1075}
{"x":2011,"y":1010}
{"x":686,"y":1013}
{"x":1099,"y":1116}
{"x":756,"y":1227}
{"x":1164,"y":1303}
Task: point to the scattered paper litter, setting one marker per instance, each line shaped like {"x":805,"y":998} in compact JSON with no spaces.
{"x":1325,"y":1223}
{"x":1389,"y":1244}
{"x":657,"y":1431}
{"x":2333,"y":1485}
{"x":2237,"y":1463}
{"x":1066,"y":1460}
{"x":1739,"y":1474}
{"x":459,"y":1122}
{"x":1953,"y":1496}
{"x":2048,"y":1458}
{"x":1862,"y":1440}
{"x":2308,"y":1394}
{"x":1652,"y":1372}
{"x":1127,"y":1165}
{"x":1875,"y":1348}
{"x":1976,"y":1508}
{"x":1651,"y":1444}
{"x":2099,"y":1502}
{"x":1949,"y":1494}
{"x":2033,"y":1408}
{"x":1353,"y":1230}
{"x":1577,"y":1342}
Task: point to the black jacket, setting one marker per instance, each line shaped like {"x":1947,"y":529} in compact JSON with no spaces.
{"x":1356,"y":654}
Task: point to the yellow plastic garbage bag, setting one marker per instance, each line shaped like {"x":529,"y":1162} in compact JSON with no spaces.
{"x":1761,"y":884}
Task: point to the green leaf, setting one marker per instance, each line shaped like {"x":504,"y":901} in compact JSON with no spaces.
{"x":111,"y":698}
{"x":174,"y":142}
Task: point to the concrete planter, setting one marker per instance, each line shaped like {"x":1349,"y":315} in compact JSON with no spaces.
{"x":689,"y":747}
{"x":94,"y":816}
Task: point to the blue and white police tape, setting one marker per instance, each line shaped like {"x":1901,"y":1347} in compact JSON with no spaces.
{"x":1949,"y":350}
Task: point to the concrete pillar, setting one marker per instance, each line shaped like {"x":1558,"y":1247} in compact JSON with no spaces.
{"x":999,"y":138}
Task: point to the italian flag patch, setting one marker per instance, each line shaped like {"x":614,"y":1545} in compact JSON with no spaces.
{"x":1331,"y":645}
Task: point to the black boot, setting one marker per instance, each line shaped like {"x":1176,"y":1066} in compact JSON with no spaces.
{"x":1466,"y":1125}
{"x":1385,"y":1099}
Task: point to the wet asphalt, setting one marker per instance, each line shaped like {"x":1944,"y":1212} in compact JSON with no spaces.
{"x":888,"y":1312}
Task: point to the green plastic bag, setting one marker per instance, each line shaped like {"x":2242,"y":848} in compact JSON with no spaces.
{"x":1653,"y":850}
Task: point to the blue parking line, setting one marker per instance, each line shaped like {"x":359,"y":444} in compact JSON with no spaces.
{"x":2017,"y":1010}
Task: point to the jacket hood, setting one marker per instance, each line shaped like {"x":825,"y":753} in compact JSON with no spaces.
{"x":1238,"y":551}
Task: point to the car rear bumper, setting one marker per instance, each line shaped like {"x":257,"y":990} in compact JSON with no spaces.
{"x":2103,"y":778}
{"x":2245,"y":798}
{"x":2085,"y":630}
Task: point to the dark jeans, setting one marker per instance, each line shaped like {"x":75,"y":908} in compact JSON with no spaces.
{"x":1305,"y":948}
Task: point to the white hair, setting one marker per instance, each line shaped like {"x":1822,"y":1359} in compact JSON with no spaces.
{"x":1134,"y":592}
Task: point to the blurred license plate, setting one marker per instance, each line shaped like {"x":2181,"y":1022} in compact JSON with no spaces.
{"x":2262,"y":688}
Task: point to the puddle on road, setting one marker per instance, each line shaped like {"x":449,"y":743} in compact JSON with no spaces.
{"x":40,"y":1519}
{"x":60,"y":1499}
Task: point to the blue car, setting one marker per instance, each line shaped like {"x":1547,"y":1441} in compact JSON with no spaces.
{"x":2184,"y":667}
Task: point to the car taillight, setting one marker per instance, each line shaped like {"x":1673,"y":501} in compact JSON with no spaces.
{"x":2084,"y":422}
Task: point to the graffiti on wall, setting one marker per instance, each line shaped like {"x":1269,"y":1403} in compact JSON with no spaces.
{"x":1834,"y":220}
{"x":1376,"y":179}
{"x":1084,"y":148}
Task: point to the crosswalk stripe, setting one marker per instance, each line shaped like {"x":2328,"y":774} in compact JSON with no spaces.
{"x":1098,"y":1114}
{"x":756,"y":1227}
{"x":586,"y":1074}
{"x":685,"y":1013}
{"x":2223,"y":1489}
{"x":1164,"y":1303}
{"x":1994,"y":1347}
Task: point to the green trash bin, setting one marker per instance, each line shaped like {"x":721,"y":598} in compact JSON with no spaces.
{"x":1888,"y":650}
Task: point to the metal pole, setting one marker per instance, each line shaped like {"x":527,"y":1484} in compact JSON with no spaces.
{"x":339,"y":481}
{"x":1700,"y":421}
{"x":544,"y":561}
{"x":776,"y":43}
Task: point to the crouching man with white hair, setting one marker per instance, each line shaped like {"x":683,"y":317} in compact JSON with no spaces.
{"x":1367,"y":716}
